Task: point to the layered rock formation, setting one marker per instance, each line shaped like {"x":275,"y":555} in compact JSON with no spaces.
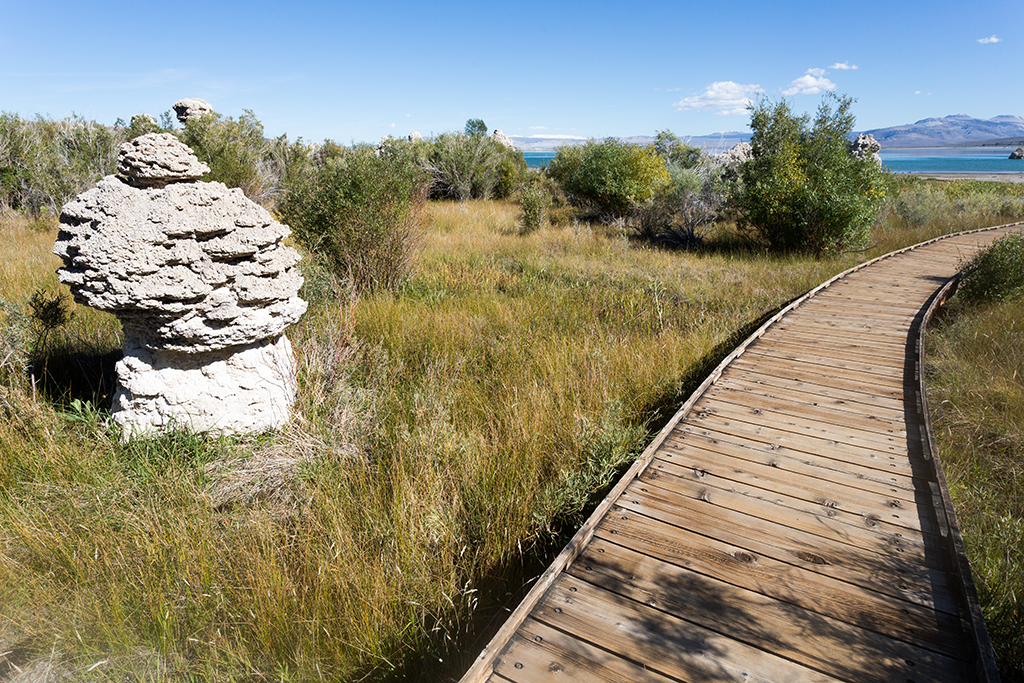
{"x":1017,"y":153}
{"x":737,"y":154}
{"x":503,"y":139}
{"x":203,"y":286}
{"x":866,"y":147}
{"x":191,"y":108}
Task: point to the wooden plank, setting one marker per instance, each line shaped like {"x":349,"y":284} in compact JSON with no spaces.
{"x":820,"y":370}
{"x":792,"y":582}
{"x":807,"y":407}
{"x":770,"y":418}
{"x":792,"y":343}
{"x":835,"y":356}
{"x":731,"y":463}
{"x":887,"y":417}
{"x":851,"y":394}
{"x":666,"y":643}
{"x":875,"y":568}
{"x":541,"y":654}
{"x":791,"y":631}
{"x":810,"y":446}
{"x":838,"y":470}
{"x":853,"y":527}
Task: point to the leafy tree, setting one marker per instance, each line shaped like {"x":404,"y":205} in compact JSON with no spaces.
{"x":674,"y":151}
{"x":475,"y":127}
{"x":803,"y":190}
{"x":612,"y":176}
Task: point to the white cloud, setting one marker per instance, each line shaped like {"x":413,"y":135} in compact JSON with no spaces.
{"x":538,"y":127}
{"x":844,"y":66}
{"x":558,"y":137}
{"x":393,"y":125}
{"x":728,"y":97}
{"x":812,"y":83}
{"x":990,"y":39}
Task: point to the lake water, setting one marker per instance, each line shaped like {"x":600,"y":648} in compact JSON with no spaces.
{"x":956,"y":160}
{"x":943,"y":160}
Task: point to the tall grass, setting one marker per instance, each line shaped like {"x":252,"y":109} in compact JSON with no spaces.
{"x":445,"y":430}
{"x":976,"y":359}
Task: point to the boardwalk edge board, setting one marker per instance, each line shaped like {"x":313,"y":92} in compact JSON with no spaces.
{"x":485,"y":662}
{"x":986,"y":668}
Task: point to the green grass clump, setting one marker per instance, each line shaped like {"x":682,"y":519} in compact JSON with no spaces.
{"x":996,"y":272}
{"x":976,"y":387}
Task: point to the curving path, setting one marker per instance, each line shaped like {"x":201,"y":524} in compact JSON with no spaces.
{"x":790,"y":523}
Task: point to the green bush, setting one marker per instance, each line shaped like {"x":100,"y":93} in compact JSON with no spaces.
{"x":995,"y":273}
{"x":472,"y":166}
{"x":357,"y":212}
{"x":533,"y":203}
{"x":613,"y":177}
{"x":237,"y":153}
{"x":675,"y":151}
{"x":803,"y":191}
{"x":44,"y":163}
{"x":512,"y":173}
{"x":677,"y":215}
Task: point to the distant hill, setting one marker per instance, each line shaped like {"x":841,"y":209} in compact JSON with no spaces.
{"x":958,"y":130}
{"x":952,"y":131}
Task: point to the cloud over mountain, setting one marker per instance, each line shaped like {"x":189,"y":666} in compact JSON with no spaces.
{"x":728,"y":97}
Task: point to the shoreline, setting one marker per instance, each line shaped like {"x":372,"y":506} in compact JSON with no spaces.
{"x":988,"y":177}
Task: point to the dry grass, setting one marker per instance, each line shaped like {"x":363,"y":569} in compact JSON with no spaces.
{"x":976,"y":358}
{"x":444,"y":432}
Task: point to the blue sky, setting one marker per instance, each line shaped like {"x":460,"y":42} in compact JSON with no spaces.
{"x":355,"y":71}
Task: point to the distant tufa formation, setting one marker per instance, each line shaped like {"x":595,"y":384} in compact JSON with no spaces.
{"x":191,"y":108}
{"x":202,"y":283}
{"x":866,"y":147}
{"x":502,"y":139}
{"x":1017,"y":153}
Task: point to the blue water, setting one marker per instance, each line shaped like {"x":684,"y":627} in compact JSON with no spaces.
{"x":537,"y":159}
{"x":955,"y":160}
{"x":959,"y":160}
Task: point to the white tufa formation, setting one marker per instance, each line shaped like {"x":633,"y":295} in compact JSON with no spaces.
{"x":502,"y":139}
{"x":191,"y":108}
{"x":202,"y":283}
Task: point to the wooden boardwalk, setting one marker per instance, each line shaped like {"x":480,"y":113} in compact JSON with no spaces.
{"x":790,"y":523}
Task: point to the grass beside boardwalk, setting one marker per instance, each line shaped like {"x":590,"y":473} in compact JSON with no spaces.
{"x":444,"y":432}
{"x":976,"y":387}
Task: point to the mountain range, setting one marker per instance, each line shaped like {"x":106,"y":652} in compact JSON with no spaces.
{"x":958,"y":130}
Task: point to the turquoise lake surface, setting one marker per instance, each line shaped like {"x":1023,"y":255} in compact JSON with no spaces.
{"x":940,"y":160}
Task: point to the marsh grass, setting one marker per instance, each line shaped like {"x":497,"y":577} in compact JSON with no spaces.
{"x":447,"y":434}
{"x":976,"y":383}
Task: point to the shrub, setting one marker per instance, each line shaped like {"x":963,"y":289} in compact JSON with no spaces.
{"x":44,"y":163}
{"x":512,"y":173}
{"x":613,"y":177}
{"x":803,"y":190}
{"x":533,"y":203}
{"x":357,"y":212}
{"x":995,"y":273}
{"x":675,"y":151}
{"x":679,"y":212}
{"x":463,"y":166}
{"x":239,"y":155}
